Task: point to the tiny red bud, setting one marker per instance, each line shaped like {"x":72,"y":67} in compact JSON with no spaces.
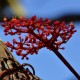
{"x":18,"y":25}
{"x":62,"y":48}
{"x":14,"y":40}
{"x":71,"y":24}
{"x":56,"y":23}
{"x":18,"y":53}
{"x":5,"y":19}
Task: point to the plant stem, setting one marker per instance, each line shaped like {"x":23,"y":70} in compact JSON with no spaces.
{"x":66,"y":63}
{"x":58,"y":55}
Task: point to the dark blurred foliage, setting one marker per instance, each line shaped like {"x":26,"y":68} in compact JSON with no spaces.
{"x":3,"y":4}
{"x":68,"y":18}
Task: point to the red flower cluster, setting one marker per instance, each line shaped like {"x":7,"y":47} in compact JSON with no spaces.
{"x":39,"y":33}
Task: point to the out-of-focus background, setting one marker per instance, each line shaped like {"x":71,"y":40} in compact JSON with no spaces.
{"x":46,"y":63}
{"x":55,"y":10}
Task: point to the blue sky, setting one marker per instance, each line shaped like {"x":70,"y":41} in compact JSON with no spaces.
{"x":46,"y":63}
{"x":51,"y":8}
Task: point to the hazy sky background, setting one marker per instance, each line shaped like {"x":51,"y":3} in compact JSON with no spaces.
{"x":46,"y":63}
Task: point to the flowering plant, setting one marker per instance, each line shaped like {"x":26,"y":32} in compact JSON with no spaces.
{"x":39,"y":33}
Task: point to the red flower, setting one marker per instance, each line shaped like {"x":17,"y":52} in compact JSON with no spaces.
{"x":39,"y":33}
